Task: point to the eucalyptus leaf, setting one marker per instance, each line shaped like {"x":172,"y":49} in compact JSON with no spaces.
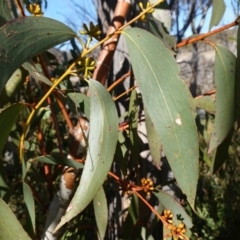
{"x":8,"y":117}
{"x":167,"y":100}
{"x":102,"y":141}
{"x":10,"y":227}
{"x":101,"y":211}
{"x":218,"y":9}
{"x":224,"y":74}
{"x":36,"y":73}
{"x":206,"y":103}
{"x":5,"y":14}
{"x":23,"y":38}
{"x":170,"y":203}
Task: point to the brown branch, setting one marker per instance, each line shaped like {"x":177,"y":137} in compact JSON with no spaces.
{"x":202,"y":36}
{"x":124,"y":93}
{"x":106,"y":55}
{"x":121,"y":79}
{"x":20,"y":8}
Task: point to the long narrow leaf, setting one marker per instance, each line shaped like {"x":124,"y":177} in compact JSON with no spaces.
{"x":224,"y":74}
{"x":166,"y":99}
{"x":102,"y":144}
{"x":101,"y":211}
{"x":8,"y":118}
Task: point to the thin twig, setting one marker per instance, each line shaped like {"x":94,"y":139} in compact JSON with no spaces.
{"x":202,"y":36}
{"x":20,"y":8}
{"x":121,"y":95}
{"x":121,"y":79}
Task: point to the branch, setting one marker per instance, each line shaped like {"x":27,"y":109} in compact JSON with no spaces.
{"x":202,"y":36}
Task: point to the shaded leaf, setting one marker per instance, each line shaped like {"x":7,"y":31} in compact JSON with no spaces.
{"x":78,"y":99}
{"x":221,"y":154}
{"x":11,"y":88}
{"x":162,"y":14}
{"x":8,"y":117}
{"x":3,"y":184}
{"x":101,"y":211}
{"x":58,"y":160}
{"x":5,"y":14}
{"x":10,"y":227}
{"x":157,"y":30}
{"x":170,"y":203}
{"x":168,"y":103}
{"x":224,"y":74}
{"x":121,"y":153}
{"x":28,"y":200}
{"x":26,"y":37}
{"x":237,"y":79}
{"x":102,"y":143}
{"x":206,"y":103}
{"x":132,"y":217}
{"x":218,"y":9}
{"x":36,"y":73}
{"x":133,"y":124}
{"x":153,"y":140}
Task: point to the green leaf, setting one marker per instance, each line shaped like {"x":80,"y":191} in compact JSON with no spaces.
{"x":170,"y":203}
{"x":11,"y":87}
{"x":5,"y":14}
{"x":121,"y":153}
{"x":101,"y":212}
{"x":26,"y":37}
{"x":8,"y":117}
{"x":162,"y":14}
{"x":218,"y":9}
{"x":3,"y":184}
{"x":153,"y":140}
{"x":237,"y":79}
{"x":78,"y":99}
{"x":36,"y":73}
{"x":221,"y":154}
{"x":28,"y":200}
{"x":133,"y":124}
{"x":169,"y":105}
{"x":157,"y":30}
{"x":102,"y":144}
{"x":206,"y":103}
{"x":58,"y":160}
{"x":224,"y":74}
{"x":10,"y":227}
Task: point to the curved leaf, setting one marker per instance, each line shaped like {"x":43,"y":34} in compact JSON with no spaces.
{"x":10,"y":227}
{"x":224,"y":74}
{"x":26,"y":37}
{"x":169,"y":106}
{"x":218,"y":9}
{"x":12,"y":86}
{"x":157,"y":30}
{"x":101,"y":147}
{"x":29,"y":201}
{"x":170,"y":203}
{"x":5,"y":14}
{"x":101,"y":211}
{"x":38,"y":75}
{"x":78,"y":99}
{"x":8,"y":117}
{"x":58,"y":160}
{"x":237,"y":79}
{"x":206,"y":103}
